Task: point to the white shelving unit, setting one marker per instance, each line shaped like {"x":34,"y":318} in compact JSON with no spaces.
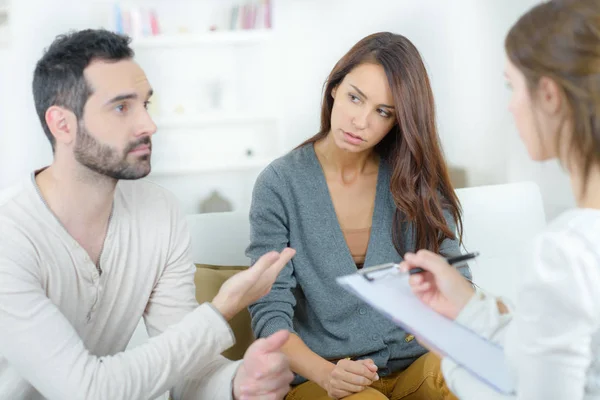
{"x":215,"y":104}
{"x":242,"y":37}
{"x":215,"y":118}
{"x":242,"y":165}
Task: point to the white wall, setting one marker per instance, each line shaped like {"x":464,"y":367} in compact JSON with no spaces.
{"x":33,"y":25}
{"x":4,"y":132}
{"x":461,"y":42}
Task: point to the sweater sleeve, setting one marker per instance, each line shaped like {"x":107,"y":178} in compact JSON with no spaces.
{"x":269,"y":230}
{"x":451,"y":247}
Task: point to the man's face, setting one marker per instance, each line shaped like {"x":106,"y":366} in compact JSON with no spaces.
{"x":114,"y":134}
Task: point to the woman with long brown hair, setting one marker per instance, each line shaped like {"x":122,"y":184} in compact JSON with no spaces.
{"x":552,"y":337}
{"x":371,"y":185}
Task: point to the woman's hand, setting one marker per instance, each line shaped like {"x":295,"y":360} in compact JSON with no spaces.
{"x":441,"y":286}
{"x":349,"y":377}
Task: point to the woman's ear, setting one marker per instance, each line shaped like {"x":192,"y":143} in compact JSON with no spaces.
{"x":549,"y":96}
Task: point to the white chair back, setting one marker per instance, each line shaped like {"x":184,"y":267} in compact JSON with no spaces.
{"x":220,"y":238}
{"x":501,"y":222}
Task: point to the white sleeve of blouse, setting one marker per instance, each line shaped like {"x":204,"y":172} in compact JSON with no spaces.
{"x":548,"y":343}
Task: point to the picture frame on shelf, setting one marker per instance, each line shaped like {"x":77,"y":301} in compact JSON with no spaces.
{"x":152,"y":24}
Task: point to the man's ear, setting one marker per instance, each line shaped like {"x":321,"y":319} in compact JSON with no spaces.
{"x":62,"y":124}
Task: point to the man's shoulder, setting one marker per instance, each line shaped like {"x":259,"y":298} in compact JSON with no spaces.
{"x":22,"y":220}
{"x":147,"y":195}
{"x":18,"y":203}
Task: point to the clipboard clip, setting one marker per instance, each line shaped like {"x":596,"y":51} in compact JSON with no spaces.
{"x":377,"y":272}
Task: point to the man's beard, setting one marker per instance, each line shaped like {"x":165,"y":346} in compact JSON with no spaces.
{"x":107,"y":161}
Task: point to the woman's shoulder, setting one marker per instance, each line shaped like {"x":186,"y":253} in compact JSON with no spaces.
{"x":569,"y":244}
{"x":578,"y":223}
{"x":299,"y":163}
{"x":566,"y":265}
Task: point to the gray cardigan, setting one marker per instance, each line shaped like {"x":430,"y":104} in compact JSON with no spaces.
{"x":291,"y":206}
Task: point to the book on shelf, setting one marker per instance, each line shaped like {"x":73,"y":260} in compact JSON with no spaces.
{"x":252,"y":15}
{"x":139,"y":22}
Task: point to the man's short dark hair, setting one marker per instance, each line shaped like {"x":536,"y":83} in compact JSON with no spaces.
{"x":58,"y":78}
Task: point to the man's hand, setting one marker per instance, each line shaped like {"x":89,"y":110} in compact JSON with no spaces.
{"x":246,"y":287}
{"x":265,"y":372}
{"x":349,"y":377}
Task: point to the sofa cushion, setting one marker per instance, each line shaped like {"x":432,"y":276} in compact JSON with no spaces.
{"x":209,"y":279}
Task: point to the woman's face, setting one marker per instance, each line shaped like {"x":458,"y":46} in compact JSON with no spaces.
{"x":363,"y":109}
{"x":536,"y":119}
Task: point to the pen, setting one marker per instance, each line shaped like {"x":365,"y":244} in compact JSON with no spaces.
{"x":450,"y":260}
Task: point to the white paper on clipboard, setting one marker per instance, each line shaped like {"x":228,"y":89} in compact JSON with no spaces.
{"x":390,"y":294}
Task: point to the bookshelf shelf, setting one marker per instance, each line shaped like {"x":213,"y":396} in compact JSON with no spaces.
{"x":217,"y":106}
{"x":182,"y":40}
{"x":217,"y":118}
{"x":223,"y":166}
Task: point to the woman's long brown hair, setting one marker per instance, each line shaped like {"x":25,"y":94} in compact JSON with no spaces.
{"x":420,"y":183}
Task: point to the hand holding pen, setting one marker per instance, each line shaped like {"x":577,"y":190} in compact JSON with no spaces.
{"x":456,"y":261}
{"x":436,"y":283}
